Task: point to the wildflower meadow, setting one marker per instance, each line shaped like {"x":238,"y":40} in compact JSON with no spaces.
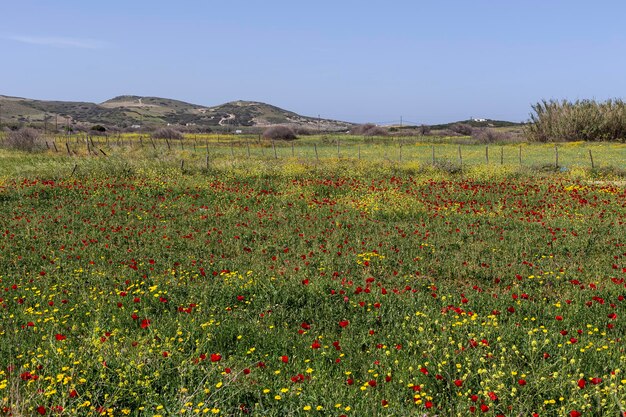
{"x":335,"y":288}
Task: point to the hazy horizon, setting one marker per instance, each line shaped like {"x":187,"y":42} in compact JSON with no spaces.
{"x":426,"y":63}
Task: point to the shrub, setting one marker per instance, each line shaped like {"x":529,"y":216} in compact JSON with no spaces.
{"x":586,"y":120}
{"x":424,"y":130}
{"x":279,"y":132}
{"x":25,"y":139}
{"x":303,"y":131}
{"x":462,"y":129}
{"x":368,"y":129}
{"x":487,"y":135}
{"x":98,"y":128}
{"x":167,"y":133}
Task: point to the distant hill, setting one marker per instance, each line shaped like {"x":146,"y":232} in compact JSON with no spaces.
{"x":477,"y":123}
{"x":126,"y":111}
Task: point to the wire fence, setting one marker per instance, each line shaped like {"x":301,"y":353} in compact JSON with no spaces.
{"x":401,"y":150}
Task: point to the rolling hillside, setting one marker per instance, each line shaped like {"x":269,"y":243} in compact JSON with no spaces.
{"x":126,"y":111}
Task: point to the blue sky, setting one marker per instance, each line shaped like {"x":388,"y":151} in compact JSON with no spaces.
{"x":427,"y":61}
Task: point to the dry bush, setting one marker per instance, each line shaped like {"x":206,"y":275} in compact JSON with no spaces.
{"x":279,"y":132}
{"x":462,"y":129}
{"x":167,"y":133}
{"x":368,"y":129}
{"x":424,"y":130}
{"x":487,"y":135}
{"x":303,"y":131}
{"x":25,"y":139}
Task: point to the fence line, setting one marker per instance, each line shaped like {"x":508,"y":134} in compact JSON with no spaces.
{"x":393,"y":150}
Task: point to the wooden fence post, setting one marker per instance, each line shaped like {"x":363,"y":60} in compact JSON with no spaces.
{"x":317,"y":157}
{"x":520,"y":155}
{"x":460,"y":157}
{"x":433,"y":152}
{"x":591,"y":157}
{"x":487,"y":153}
{"x":556,"y":156}
{"x":501,"y":155}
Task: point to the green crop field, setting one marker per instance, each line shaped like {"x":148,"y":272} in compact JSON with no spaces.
{"x":337,"y":277}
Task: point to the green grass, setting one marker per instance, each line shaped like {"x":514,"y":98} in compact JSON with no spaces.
{"x":401,"y":152}
{"x":292,"y":286}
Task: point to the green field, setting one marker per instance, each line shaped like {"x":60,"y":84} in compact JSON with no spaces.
{"x":198,"y":280}
{"x":448,"y":154}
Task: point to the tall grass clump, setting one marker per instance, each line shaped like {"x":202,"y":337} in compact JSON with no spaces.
{"x":587,"y":120}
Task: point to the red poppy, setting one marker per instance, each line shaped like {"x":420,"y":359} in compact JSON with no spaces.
{"x":215,"y":357}
{"x":344,"y":323}
{"x":284,"y":359}
{"x":60,"y":337}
